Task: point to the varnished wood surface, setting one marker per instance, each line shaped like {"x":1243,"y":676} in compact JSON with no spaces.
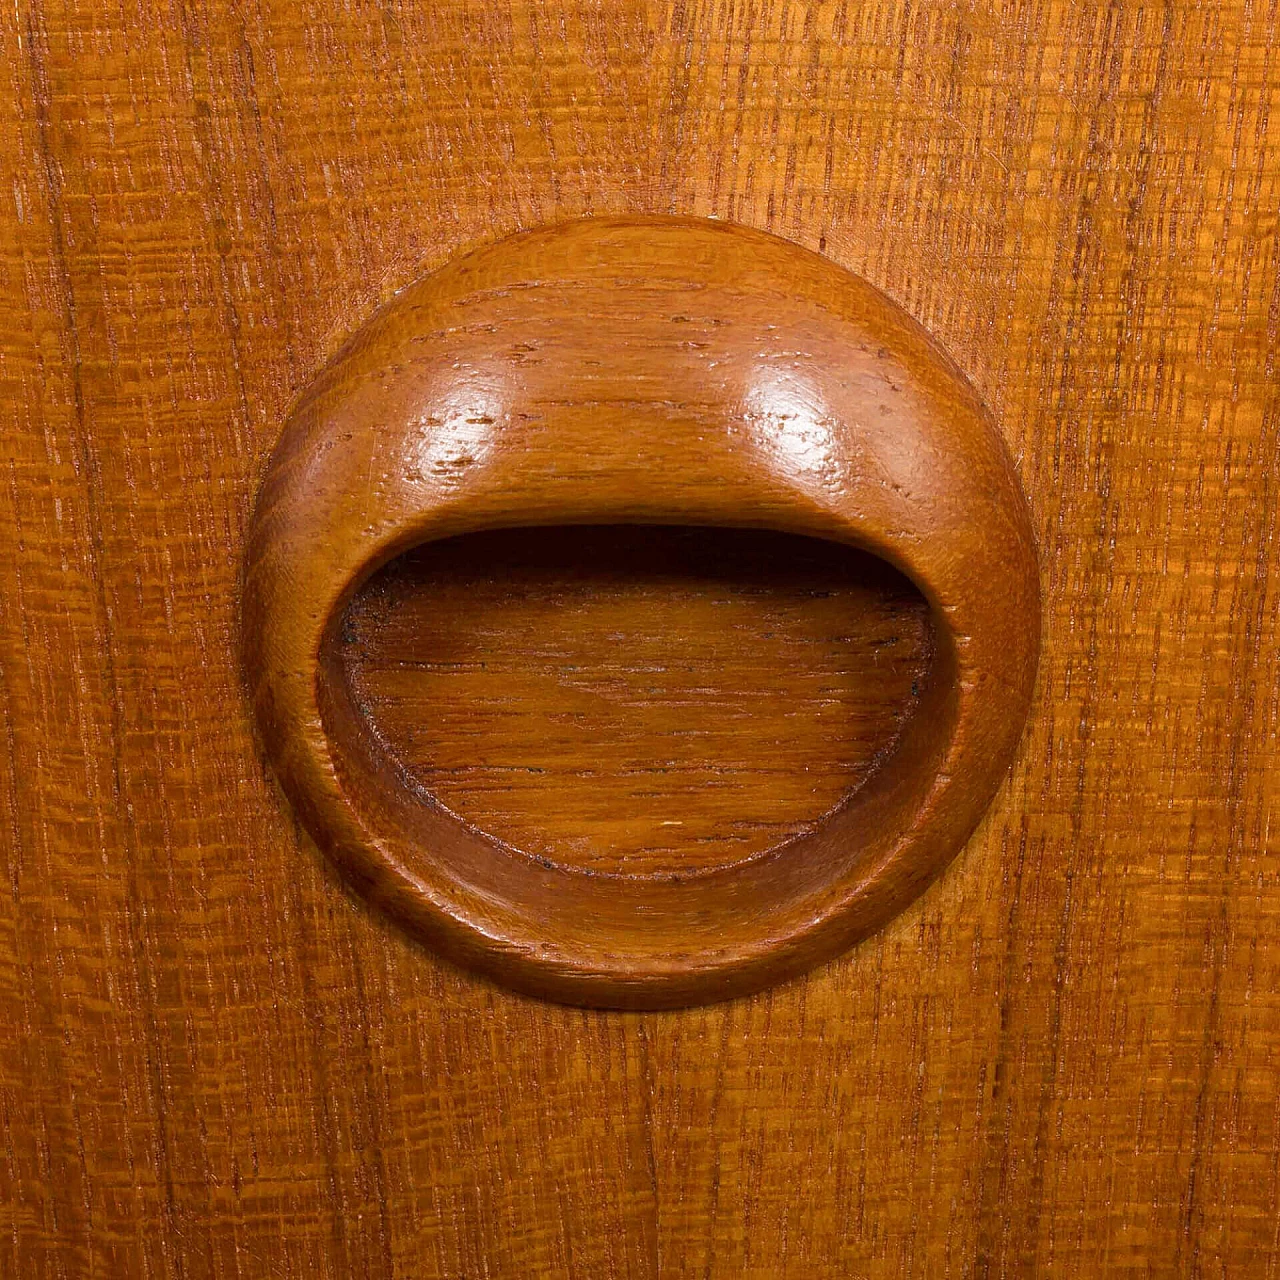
{"x":657,"y":372}
{"x":681,"y":699}
{"x":1062,"y":1061}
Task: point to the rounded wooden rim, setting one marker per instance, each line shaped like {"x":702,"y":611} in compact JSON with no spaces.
{"x":865,"y":434}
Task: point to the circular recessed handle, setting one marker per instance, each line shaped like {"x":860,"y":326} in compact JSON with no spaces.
{"x":643,"y":371}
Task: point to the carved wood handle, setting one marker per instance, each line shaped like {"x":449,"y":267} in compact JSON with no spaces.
{"x":647,"y":371}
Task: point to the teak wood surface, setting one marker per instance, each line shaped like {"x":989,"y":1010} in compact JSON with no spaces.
{"x":654,"y":372}
{"x":1063,"y":1059}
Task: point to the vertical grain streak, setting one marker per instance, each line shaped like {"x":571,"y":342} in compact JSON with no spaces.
{"x":1239,"y":714}
{"x":88,"y":471}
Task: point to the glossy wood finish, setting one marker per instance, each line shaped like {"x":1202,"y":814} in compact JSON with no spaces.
{"x":649,"y":371}
{"x":1060,"y":1061}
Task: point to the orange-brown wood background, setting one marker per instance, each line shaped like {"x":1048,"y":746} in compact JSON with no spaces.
{"x":215,"y":1061}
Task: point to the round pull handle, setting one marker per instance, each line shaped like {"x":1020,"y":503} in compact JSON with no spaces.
{"x":642,"y":371}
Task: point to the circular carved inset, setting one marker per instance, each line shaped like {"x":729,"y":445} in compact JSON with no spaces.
{"x":702,"y":381}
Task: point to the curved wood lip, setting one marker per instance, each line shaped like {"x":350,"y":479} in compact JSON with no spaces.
{"x":925,"y":483}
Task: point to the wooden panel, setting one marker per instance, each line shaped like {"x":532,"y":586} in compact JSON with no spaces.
{"x":214,"y":1063}
{"x":1064,"y":1060}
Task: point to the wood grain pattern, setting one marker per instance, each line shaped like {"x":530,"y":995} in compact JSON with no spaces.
{"x":654,"y":372}
{"x":640,"y":684}
{"x":1062,"y":1061}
